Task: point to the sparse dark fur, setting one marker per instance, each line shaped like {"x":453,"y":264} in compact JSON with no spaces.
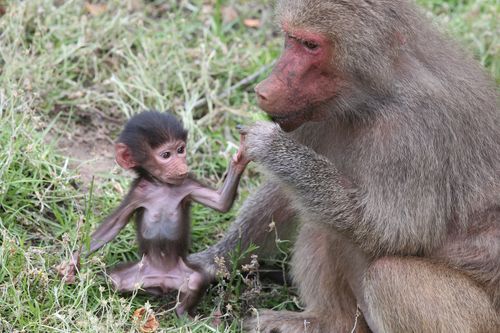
{"x":152,"y":128}
{"x":153,"y":144}
{"x":397,"y":189}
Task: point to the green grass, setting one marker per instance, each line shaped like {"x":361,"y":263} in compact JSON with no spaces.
{"x":64,"y":72}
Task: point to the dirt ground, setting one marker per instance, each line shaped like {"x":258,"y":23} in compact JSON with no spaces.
{"x":89,"y":144}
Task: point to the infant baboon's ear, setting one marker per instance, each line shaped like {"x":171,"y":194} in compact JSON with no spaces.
{"x":123,"y":156}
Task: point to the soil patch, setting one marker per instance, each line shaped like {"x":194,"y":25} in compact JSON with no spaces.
{"x":89,"y":143}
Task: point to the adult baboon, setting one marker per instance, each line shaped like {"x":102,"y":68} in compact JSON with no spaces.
{"x":392,"y":165}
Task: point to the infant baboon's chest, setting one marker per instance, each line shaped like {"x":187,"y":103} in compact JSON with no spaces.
{"x":163,"y":215}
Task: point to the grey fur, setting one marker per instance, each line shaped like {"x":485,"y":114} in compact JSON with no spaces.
{"x":408,"y":164}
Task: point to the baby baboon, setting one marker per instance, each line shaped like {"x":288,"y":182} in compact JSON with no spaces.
{"x":153,"y":144}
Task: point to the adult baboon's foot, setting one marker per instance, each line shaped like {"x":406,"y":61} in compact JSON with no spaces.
{"x":206,"y":262}
{"x":267,"y":321}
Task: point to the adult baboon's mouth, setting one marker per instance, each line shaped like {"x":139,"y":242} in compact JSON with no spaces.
{"x":290,"y":122}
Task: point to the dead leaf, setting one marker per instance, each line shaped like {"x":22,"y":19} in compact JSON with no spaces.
{"x":151,"y":324}
{"x":252,"y":23}
{"x":135,"y":5}
{"x":96,"y":9}
{"x":229,"y":14}
{"x":76,"y":94}
{"x":207,"y":9}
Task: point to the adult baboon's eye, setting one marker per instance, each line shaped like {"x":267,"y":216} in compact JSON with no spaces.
{"x":165,"y":155}
{"x":310,"y":45}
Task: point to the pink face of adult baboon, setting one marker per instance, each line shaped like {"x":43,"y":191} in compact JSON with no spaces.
{"x":302,"y":80}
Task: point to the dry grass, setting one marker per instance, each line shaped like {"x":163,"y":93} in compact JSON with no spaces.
{"x":70,"y":74}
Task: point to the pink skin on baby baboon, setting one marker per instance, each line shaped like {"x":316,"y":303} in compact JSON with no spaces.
{"x":153,"y":144}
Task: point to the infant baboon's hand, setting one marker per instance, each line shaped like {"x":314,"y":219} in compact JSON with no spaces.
{"x":240,"y":159}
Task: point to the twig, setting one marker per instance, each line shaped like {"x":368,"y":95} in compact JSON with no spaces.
{"x":358,"y":313}
{"x":246,"y":81}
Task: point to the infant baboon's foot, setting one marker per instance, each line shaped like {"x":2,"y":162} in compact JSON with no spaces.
{"x":116,"y":282}
{"x":125,"y":277}
{"x":192,"y":291}
{"x":267,"y":321}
